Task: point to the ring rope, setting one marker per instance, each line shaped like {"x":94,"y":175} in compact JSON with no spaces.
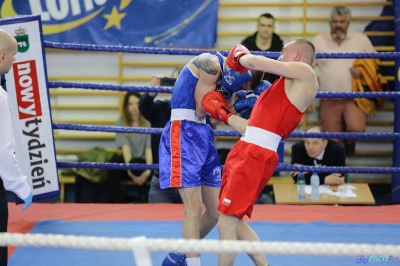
{"x":177,"y":51}
{"x":200,"y":246}
{"x":280,"y":167}
{"x":321,"y":94}
{"x":108,"y":87}
{"x":141,"y":130}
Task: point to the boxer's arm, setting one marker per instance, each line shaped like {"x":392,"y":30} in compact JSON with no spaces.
{"x":237,"y":123}
{"x":234,"y":56}
{"x":216,"y":106}
{"x":209,"y":75}
{"x":292,"y":70}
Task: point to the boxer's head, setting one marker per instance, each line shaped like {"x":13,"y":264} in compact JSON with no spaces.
{"x":298,"y":51}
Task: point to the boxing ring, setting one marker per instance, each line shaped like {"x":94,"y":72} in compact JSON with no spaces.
{"x":107,"y":234}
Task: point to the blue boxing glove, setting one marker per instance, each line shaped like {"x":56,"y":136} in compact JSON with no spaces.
{"x":261,"y":87}
{"x":241,"y":93}
{"x":27,"y":201}
{"x":246,"y":103}
{"x":232,"y":81}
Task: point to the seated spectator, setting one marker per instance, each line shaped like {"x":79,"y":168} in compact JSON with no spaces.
{"x":265,"y":40}
{"x":134,"y":148}
{"x":158,"y":113}
{"x":319,"y":152}
{"x":91,"y":184}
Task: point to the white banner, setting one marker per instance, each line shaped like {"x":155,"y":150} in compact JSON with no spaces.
{"x":31,"y":115}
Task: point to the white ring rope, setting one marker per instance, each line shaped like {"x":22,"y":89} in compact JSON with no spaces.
{"x":201,"y":246}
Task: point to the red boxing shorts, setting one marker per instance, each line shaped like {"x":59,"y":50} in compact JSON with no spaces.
{"x":247,"y":171}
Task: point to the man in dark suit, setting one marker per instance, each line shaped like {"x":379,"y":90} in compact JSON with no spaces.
{"x":319,"y":152}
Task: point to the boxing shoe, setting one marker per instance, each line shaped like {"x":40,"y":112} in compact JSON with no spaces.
{"x":175,"y":259}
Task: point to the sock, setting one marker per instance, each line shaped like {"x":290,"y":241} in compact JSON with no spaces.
{"x":193,"y":261}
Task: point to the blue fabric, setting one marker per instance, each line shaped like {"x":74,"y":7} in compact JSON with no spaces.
{"x":387,"y":26}
{"x":378,"y":25}
{"x":199,"y":164}
{"x":169,"y":23}
{"x":268,"y":231}
{"x":183,"y":90}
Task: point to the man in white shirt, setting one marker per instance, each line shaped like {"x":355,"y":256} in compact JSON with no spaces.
{"x":11,"y":177}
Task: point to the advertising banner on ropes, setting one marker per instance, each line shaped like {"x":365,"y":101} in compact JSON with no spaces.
{"x":148,"y":23}
{"x":26,"y":85}
{"x":396,"y":142}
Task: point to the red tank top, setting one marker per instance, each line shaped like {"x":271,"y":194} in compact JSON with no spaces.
{"x":274,"y":112}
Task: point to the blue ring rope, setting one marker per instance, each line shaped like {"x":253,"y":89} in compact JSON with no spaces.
{"x":280,"y":167}
{"x":321,"y":94}
{"x":141,"y":130}
{"x":194,"y":52}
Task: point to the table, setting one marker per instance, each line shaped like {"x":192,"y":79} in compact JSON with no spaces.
{"x":287,"y":194}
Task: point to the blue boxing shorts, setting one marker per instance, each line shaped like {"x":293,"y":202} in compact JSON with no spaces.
{"x":188,"y":156}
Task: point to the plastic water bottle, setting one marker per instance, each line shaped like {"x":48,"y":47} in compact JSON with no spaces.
{"x":301,"y":186}
{"x":315,"y":187}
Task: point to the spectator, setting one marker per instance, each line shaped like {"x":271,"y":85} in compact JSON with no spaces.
{"x":319,"y":152}
{"x":134,"y":148}
{"x":91,"y":184}
{"x":158,"y":113}
{"x":340,"y":115}
{"x":265,"y":40}
{"x":11,"y":177}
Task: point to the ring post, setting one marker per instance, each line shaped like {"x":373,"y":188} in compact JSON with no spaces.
{"x":396,"y":142}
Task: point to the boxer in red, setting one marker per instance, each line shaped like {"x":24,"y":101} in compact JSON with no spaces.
{"x":253,"y":159}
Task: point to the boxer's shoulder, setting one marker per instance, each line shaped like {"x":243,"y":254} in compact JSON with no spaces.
{"x":208,"y":63}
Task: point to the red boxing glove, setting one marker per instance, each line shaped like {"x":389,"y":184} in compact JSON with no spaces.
{"x":215,"y":105}
{"x":233,"y":58}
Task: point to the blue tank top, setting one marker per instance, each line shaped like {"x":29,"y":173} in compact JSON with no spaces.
{"x":185,"y":85}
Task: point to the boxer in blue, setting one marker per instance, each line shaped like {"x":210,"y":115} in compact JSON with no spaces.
{"x":188,"y":157}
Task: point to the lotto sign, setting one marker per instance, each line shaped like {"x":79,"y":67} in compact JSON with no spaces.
{"x":31,"y":115}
